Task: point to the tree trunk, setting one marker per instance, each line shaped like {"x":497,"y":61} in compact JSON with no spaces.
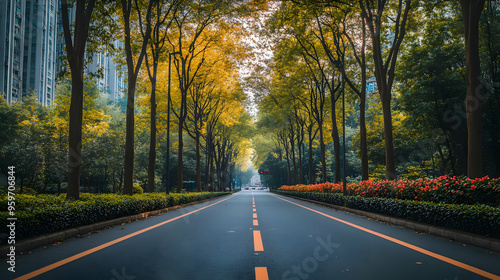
{"x":75,"y":51}
{"x":129,"y":138}
{"x":385,"y":70}
{"x":133,"y":72}
{"x":390,"y":165}
{"x":311,"y":165}
{"x":336,"y":140}
{"x":362,"y":135}
{"x":75,"y":133}
{"x":471,"y":12}
{"x":152,"y":139}
{"x":301,"y":175}
{"x":323,"y":154}
{"x":294,"y":160}
{"x":198,"y":163}
{"x":180,"y":167}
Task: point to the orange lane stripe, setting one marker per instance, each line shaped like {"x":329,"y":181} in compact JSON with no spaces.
{"x":261,"y":273}
{"x":254,"y":210}
{"x":255,"y":215}
{"x":408,"y":245}
{"x":257,"y":241}
{"x":255,"y":222}
{"x":100,"y":247}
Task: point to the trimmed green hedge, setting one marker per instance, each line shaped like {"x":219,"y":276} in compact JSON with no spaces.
{"x":42,"y":214}
{"x":479,"y":219}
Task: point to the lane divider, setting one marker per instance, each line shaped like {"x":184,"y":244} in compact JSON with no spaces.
{"x":261,"y":273}
{"x":257,"y":241}
{"x":405,"y":244}
{"x":113,"y":242}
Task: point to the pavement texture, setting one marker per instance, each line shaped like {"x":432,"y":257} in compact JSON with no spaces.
{"x":256,"y":235}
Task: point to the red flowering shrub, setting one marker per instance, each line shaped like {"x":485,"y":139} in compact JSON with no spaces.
{"x":445,"y":189}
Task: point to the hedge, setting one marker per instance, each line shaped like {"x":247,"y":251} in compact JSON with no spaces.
{"x":42,"y":214}
{"x":444,"y":189}
{"x":479,"y":219}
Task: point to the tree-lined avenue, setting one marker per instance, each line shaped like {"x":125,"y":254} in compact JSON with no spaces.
{"x":293,"y":240}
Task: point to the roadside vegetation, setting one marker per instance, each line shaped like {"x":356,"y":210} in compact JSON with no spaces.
{"x":41,"y":214}
{"x":462,"y":203}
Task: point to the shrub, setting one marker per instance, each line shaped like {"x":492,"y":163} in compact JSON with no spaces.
{"x":137,"y":189}
{"x":480,"y":219}
{"x":445,"y":189}
{"x":44,"y":213}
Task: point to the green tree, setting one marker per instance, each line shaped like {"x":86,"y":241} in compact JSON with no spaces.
{"x":471,"y":13}
{"x":162,"y":21}
{"x":133,"y":68}
{"x":75,"y":50}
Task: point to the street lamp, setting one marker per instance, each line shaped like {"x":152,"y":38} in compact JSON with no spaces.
{"x":168,"y":117}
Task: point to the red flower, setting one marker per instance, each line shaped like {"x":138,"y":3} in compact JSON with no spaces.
{"x":473,"y":187}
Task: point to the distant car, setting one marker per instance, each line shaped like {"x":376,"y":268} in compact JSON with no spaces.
{"x":246,"y":188}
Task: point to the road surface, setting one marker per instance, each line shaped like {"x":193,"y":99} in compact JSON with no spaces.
{"x":256,"y":235}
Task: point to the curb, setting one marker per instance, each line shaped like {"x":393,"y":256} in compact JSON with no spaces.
{"x":489,"y":243}
{"x":51,"y":238}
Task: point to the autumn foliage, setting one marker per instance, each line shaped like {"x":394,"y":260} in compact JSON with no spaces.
{"x":444,"y":189}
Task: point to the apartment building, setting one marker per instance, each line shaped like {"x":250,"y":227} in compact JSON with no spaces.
{"x":32,"y":52}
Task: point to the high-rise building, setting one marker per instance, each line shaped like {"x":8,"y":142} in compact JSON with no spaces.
{"x":32,"y":49}
{"x":109,"y":75}
{"x":27,"y":49}
{"x":40,"y":37}
{"x":11,"y":48}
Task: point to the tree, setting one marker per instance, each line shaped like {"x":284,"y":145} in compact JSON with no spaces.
{"x":75,"y":52}
{"x":471,"y":12}
{"x":373,"y":13}
{"x":191,"y":22}
{"x":359,"y":54}
{"x":132,"y":73}
{"x":159,"y":34}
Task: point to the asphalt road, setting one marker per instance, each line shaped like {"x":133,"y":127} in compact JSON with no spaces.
{"x":256,"y":235}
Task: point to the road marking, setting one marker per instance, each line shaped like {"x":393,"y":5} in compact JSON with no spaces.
{"x":257,"y":241}
{"x":255,"y":222}
{"x":105,"y":245}
{"x":261,"y":273}
{"x":254,"y":210}
{"x":255,"y":215}
{"x":407,"y":245}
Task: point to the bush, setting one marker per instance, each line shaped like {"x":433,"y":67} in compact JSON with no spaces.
{"x":137,"y":189}
{"x":479,"y":219}
{"x":44,"y":213}
{"x":445,"y":189}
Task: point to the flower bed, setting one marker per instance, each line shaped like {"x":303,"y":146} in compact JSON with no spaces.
{"x":479,"y":219}
{"x":445,"y":189}
{"x":43,"y":214}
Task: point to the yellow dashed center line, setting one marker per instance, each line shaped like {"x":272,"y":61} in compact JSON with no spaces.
{"x":257,"y":241}
{"x":261,"y":273}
